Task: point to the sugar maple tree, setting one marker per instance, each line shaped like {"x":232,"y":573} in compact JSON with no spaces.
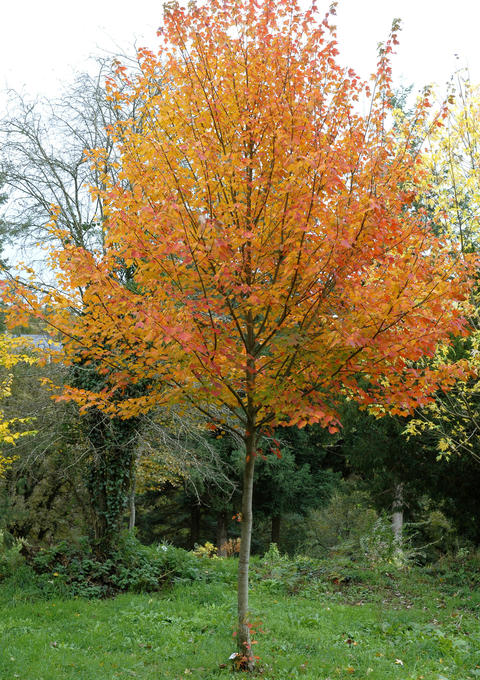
{"x":278,"y":266}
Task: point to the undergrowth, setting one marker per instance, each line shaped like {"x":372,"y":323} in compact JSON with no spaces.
{"x":321,"y":619}
{"x":74,"y":570}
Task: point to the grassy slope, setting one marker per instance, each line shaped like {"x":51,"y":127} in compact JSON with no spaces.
{"x":379,"y":627}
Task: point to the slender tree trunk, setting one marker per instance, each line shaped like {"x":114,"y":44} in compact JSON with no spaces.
{"x":397,"y":516}
{"x":131,"y":499}
{"x":243,"y":632}
{"x":276,"y":521}
{"x":244,"y":642}
{"x":222,"y":519}
{"x":194,"y":524}
{"x":131,"y":519}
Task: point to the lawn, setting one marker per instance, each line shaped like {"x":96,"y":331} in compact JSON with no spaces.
{"x":337,"y":623}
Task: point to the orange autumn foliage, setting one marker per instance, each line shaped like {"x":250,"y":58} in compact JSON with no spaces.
{"x":276,"y":261}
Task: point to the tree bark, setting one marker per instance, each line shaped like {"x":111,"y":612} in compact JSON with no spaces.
{"x":397,"y":515}
{"x":222,"y":519}
{"x":244,"y":645}
{"x":276,"y":522}
{"x":131,"y":519}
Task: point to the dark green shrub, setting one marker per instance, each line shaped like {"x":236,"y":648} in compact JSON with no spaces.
{"x":339,"y":527}
{"x":130,"y":567}
{"x":459,"y":569}
{"x":282,"y":574}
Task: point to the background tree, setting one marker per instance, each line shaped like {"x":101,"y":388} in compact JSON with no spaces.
{"x":395,"y":469}
{"x":277,"y":265}
{"x":297,"y":479}
{"x":213,"y":502}
{"x":43,"y":161}
{"x":3,"y":229}
{"x":452,"y":196}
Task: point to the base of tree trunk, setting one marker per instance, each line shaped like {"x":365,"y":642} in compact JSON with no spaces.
{"x":245,"y":658}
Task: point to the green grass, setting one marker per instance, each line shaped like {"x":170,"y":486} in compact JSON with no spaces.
{"x":379,"y":626}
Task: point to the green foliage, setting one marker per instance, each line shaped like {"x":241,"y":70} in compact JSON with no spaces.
{"x":440,"y":497}
{"x":379,"y":547}
{"x":349,"y":527}
{"x":340,"y":526}
{"x":294,"y":528}
{"x":163,"y":515}
{"x":298,"y":478}
{"x":459,"y":569}
{"x":380,"y":456}
{"x":434,"y":533}
{"x":130,"y":567}
{"x":275,"y":571}
{"x":43,"y":495}
{"x":10,"y":557}
{"x":279,"y":573}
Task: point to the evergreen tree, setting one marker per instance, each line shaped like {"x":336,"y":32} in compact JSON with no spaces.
{"x":297,"y":479}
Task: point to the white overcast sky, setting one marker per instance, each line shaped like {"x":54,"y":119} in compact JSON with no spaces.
{"x":44,"y":42}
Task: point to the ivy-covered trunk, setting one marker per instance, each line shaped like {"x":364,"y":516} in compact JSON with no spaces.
{"x":110,"y":474}
{"x":111,"y":465}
